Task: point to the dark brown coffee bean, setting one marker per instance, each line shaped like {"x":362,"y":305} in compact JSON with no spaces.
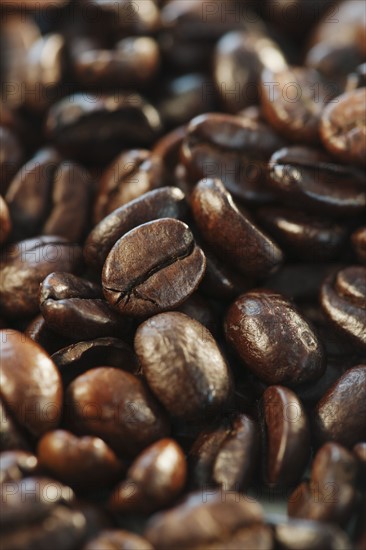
{"x":117,"y":539}
{"x":49,"y":340}
{"x":81,"y":462}
{"x":333,"y":61}
{"x":300,"y":175}
{"x":233,"y":149}
{"x":5,"y":221}
{"x":340,"y":414}
{"x":154,"y":480}
{"x":343,"y":127}
{"x":74,"y":308}
{"x":226,"y":455}
{"x":303,"y":236}
{"x":330,"y":496}
{"x":229,"y":232}
{"x":104,"y":394}
{"x":343,"y":300}
{"x":203,"y":519}
{"x":31,"y":384}
{"x":130,"y":175}
{"x":172,"y":346}
{"x":309,"y":535}
{"x":16,"y":465}
{"x":273,"y":339}
{"x":93,"y":128}
{"x":359,"y":244}
{"x":167,"y":202}
{"x":11,"y":435}
{"x":78,"y":358}
{"x":154,"y":267}
{"x":286,"y":437}
{"x":11,"y":156}
{"x":25,"y":264}
{"x":293,"y":100}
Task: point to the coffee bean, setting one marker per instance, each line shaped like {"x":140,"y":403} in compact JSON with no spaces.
{"x":104,"y":393}
{"x":168,"y":148}
{"x":16,"y":465}
{"x":83,"y":463}
{"x":174,"y":347}
{"x":167,"y":202}
{"x":343,"y":300}
{"x":49,"y":340}
{"x":25,"y":264}
{"x":339,"y":415}
{"x":154,"y":480}
{"x":154,"y":267}
{"x":231,"y":233}
{"x":286,"y":436}
{"x":359,"y":244}
{"x":11,"y":435}
{"x":343,"y":127}
{"x":309,"y":535}
{"x":118,"y":538}
{"x":273,"y":340}
{"x":5,"y":221}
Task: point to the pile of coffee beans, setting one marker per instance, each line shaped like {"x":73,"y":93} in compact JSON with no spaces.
{"x":183,"y":275}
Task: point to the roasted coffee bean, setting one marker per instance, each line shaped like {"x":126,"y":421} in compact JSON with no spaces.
{"x":273,"y":339}
{"x":78,"y":358}
{"x":230,"y":232}
{"x":205,"y":519}
{"x":343,"y":300}
{"x":359,"y":244}
{"x":16,"y":465}
{"x":343,"y":127}
{"x":50,"y":197}
{"x":104,"y":393}
{"x":286,"y":437}
{"x":303,"y":236}
{"x":81,"y":462}
{"x":297,"y":534}
{"x":331,"y":494}
{"x":114,"y":539}
{"x":233,"y":149}
{"x":226,"y":455}
{"x":5,"y":221}
{"x":340,"y":414}
{"x":167,"y":202}
{"x":11,"y":435}
{"x":49,"y":340}
{"x":74,"y":308}
{"x":31,"y":384}
{"x":293,"y":100}
{"x":300,"y":175}
{"x":154,"y":267}
{"x":25,"y":264}
{"x":154,"y":480}
{"x":239,"y":60}
{"x":172,"y":346}
{"x":11,"y":156}
{"x":130,"y":175}
{"x":96,"y":128}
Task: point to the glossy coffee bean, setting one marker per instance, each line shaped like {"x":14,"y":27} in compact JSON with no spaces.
{"x":105,"y":393}
{"x":16,"y":465}
{"x":293,"y":100}
{"x":359,"y":244}
{"x":154,"y":267}
{"x":273,"y":339}
{"x":303,"y":236}
{"x":130,"y":175}
{"x":309,"y":535}
{"x":83,"y":463}
{"x":300,"y":175}
{"x":330,"y":496}
{"x":31,"y":384}
{"x":340,"y":414}
{"x":49,"y":196}
{"x":286,"y":436}
{"x":92,"y":128}
{"x":5,"y":221}
{"x":204,"y":519}
{"x":25,"y":264}
{"x":232,"y":234}
{"x":78,"y":358}
{"x":172,"y":346}
{"x":74,"y":307}
{"x":154,"y":480}
{"x":114,"y":539}
{"x":167,"y":202}
{"x":233,"y":149}
{"x":226,"y":455}
{"x":343,"y":127}
{"x":343,"y":300}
